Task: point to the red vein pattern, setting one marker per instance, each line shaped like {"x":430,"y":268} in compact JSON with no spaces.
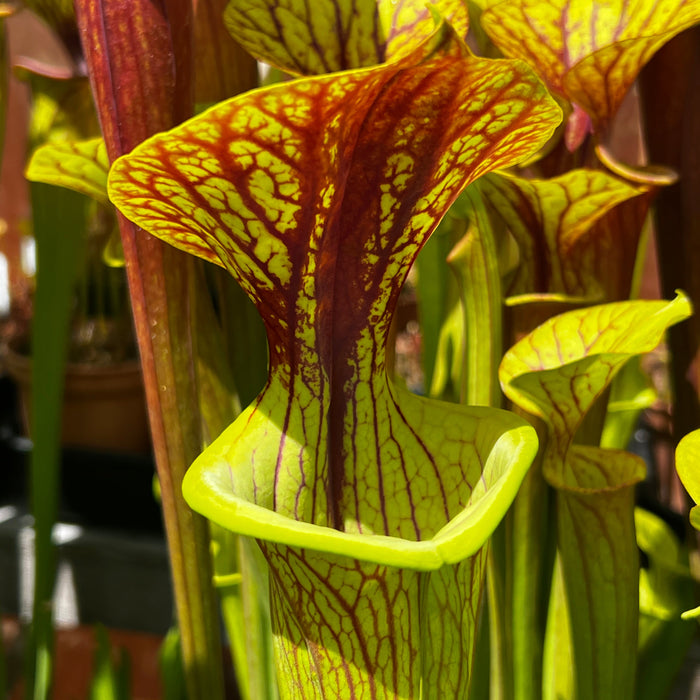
{"x":577,"y":234}
{"x":558,"y":372}
{"x":317,"y":195}
{"x":320,"y":226}
{"x":588,"y":52}
{"x":305,"y":37}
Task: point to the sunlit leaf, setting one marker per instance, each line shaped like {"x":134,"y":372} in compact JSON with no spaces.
{"x":551,"y":372}
{"x":257,"y":186}
{"x":557,"y":372}
{"x":317,"y":196}
{"x":81,"y":166}
{"x":474,"y":261}
{"x":565,"y":245}
{"x":688,"y":467}
{"x":666,"y":588}
{"x":630,"y":394}
{"x":659,"y":596}
{"x":588,"y":52}
{"x":331,"y":35}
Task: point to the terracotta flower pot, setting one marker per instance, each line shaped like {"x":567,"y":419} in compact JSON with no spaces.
{"x":104,"y":406}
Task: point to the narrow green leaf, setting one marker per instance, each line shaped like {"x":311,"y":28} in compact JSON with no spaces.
{"x":334,"y":35}
{"x":433,"y":291}
{"x":110,"y":679}
{"x":58,"y":225}
{"x":241,"y":578}
{"x":532,"y":550}
{"x":474,"y":261}
{"x":447,"y":377}
{"x":170,"y":664}
{"x":558,"y":662}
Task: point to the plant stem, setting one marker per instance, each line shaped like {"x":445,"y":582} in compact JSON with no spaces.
{"x":139,"y":59}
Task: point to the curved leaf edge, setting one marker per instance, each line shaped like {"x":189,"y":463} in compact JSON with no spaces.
{"x":207,"y":489}
{"x":688,"y":468}
{"x":620,"y":468}
{"x":512,"y":372}
{"x":88,"y":153}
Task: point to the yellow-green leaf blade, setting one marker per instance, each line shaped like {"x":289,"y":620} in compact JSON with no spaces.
{"x":601,"y":79}
{"x":365,"y":595}
{"x":311,"y":191}
{"x":559,"y":369}
{"x":554,"y":222}
{"x":688,"y":468}
{"x":79,"y":165}
{"x":596,"y":542}
{"x":557,"y":372}
{"x":588,"y":52}
{"x":317,"y":196}
{"x":314,"y":595}
{"x":333,"y":35}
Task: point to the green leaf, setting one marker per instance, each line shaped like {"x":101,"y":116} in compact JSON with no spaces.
{"x":659,"y":594}
{"x":435,"y":301}
{"x":334,"y":35}
{"x":241,"y":577}
{"x":566,"y":247}
{"x":558,"y":664}
{"x":81,"y":166}
{"x":688,"y":468}
{"x":665,"y":589}
{"x":170,"y":664}
{"x":588,"y":52}
{"x":550,"y":372}
{"x":630,"y":394}
{"x":474,"y":261}
{"x":110,"y":681}
{"x":58,"y":225}
{"x":557,"y":372}
{"x":317,"y":196}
